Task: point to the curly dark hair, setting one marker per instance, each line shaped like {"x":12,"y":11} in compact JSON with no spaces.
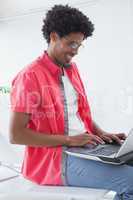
{"x":64,"y":20}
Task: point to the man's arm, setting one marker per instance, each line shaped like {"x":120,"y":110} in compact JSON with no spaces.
{"x":97,"y":130}
{"x":108,"y":137}
{"x":20,"y":134}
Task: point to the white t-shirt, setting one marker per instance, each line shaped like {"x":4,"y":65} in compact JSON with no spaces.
{"x":75,"y":124}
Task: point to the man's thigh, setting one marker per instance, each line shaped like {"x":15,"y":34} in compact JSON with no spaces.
{"x":93,"y":174}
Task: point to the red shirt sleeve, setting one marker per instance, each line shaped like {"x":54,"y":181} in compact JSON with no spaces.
{"x":25,"y":95}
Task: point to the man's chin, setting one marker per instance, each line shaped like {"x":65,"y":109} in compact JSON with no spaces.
{"x":67,"y":65}
{"x":63,"y":64}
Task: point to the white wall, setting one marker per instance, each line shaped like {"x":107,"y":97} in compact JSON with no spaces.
{"x":105,"y":63}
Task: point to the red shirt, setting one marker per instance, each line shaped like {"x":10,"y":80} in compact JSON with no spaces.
{"x":38,"y":90}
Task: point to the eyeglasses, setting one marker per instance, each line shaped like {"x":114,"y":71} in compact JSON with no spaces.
{"x":74,"y":45}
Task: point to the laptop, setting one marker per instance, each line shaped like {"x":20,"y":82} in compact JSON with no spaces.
{"x":108,"y":153}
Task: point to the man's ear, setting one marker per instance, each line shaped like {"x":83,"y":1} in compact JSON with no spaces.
{"x":54,"y":37}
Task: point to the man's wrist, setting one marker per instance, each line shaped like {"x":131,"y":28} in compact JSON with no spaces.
{"x":67,"y":140}
{"x":97,"y":130}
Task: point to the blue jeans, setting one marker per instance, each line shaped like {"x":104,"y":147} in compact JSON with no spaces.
{"x":93,"y":174}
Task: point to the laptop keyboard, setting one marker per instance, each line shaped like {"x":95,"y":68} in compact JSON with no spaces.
{"x":105,"y":150}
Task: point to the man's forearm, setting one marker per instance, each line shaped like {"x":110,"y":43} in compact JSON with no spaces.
{"x":29,"y":137}
{"x":96,"y":129}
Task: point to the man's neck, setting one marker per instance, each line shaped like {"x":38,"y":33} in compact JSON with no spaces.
{"x":56,"y":61}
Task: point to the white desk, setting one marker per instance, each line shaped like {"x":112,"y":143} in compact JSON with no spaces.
{"x":19,"y":188}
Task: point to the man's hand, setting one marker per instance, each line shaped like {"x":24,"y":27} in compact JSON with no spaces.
{"x":112,"y":137}
{"x":83,"y":139}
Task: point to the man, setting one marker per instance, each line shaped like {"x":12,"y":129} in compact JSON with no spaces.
{"x":50,"y":111}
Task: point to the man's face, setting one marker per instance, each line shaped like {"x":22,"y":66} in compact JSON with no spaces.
{"x":65,"y":48}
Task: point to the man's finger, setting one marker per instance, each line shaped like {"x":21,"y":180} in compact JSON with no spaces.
{"x":122,"y":136}
{"x":116,"y":138}
{"x":107,"y":138}
{"x":92,"y":142}
{"x":98,"y":140}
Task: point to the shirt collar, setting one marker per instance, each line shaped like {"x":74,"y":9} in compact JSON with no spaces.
{"x":51,"y":66}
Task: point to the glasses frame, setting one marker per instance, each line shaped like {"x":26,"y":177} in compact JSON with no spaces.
{"x":74,"y":45}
